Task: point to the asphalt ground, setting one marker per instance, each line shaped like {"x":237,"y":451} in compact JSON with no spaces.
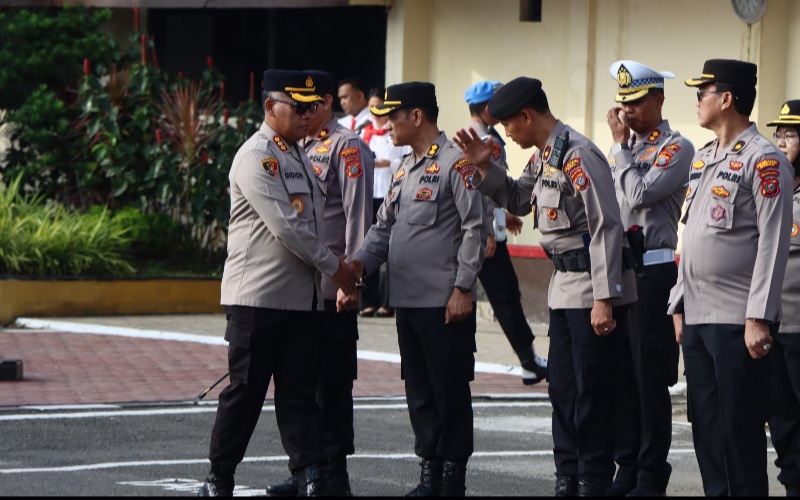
{"x":105,"y":409}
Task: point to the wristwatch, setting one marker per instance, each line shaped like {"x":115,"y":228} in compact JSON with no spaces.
{"x":464,"y":289}
{"x":620,"y":146}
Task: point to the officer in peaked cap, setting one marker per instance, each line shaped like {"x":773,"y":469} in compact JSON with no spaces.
{"x":727,"y":301}
{"x":650,"y":163}
{"x":431,"y":230}
{"x":343,"y":166}
{"x":497,"y":275}
{"x":271,"y":290}
{"x":784,"y":421}
{"x":568,"y":186}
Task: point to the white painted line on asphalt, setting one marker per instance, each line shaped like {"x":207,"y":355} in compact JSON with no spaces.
{"x":211,"y":407}
{"x":86,"y":328}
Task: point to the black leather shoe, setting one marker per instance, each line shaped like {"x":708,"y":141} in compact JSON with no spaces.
{"x":216,"y":486}
{"x":337,"y":480}
{"x":534,"y":368}
{"x":620,"y":489}
{"x":367,"y":312}
{"x":592,"y":487}
{"x":566,"y":486}
{"x":430,"y":480}
{"x":384,"y":313}
{"x":287,"y":488}
{"x":311,"y":482}
{"x":454,"y":478}
{"x":646,"y":491}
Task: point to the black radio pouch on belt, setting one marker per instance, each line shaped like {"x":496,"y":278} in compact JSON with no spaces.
{"x":633,"y":251}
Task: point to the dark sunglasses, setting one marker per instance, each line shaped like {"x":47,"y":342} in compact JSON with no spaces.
{"x":301,"y":107}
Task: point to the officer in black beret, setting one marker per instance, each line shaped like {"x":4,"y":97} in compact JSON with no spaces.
{"x":726,"y":304}
{"x":431,"y":231}
{"x":568,"y":186}
{"x":271,"y":290}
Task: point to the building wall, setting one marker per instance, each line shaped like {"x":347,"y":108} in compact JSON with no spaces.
{"x":454,"y":43}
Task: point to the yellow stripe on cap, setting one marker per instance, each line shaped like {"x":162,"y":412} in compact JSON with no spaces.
{"x":785,"y":120}
{"x":392,"y":103}
{"x":628,"y":95}
{"x":305,"y":98}
{"x":380,"y":111}
{"x":300,"y":89}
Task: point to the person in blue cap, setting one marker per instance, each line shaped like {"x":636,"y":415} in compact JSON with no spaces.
{"x":650,"y":163}
{"x":497,"y":275}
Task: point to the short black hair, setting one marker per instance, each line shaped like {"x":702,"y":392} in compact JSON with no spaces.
{"x":744,"y":96}
{"x":477,"y":108}
{"x":431,"y":113}
{"x":376,"y":92}
{"x":354,"y":82}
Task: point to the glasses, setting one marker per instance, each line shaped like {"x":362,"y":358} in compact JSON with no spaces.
{"x":301,"y":107}
{"x":786,"y":137}
{"x":701,"y":93}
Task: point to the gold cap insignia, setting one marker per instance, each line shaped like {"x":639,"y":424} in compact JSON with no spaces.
{"x":309,"y":82}
{"x":624,"y":77}
{"x":785,"y":109}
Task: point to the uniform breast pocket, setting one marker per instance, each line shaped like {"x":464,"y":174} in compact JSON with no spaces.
{"x":423,"y":205}
{"x":552,"y":215}
{"x":299,"y":194}
{"x":720,"y":212}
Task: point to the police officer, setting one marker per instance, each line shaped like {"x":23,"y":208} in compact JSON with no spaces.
{"x":344,"y":166}
{"x":650,"y":163}
{"x":497,"y":275}
{"x":569,"y":184}
{"x":784,"y":421}
{"x":352,"y":95}
{"x":727,"y":301}
{"x":271,"y":290}
{"x":431,"y":230}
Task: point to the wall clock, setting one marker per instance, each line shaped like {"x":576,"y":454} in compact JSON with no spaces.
{"x":749,"y":11}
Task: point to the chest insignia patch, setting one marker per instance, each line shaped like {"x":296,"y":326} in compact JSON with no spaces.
{"x":400,"y":173}
{"x":672,"y":147}
{"x":698,"y":164}
{"x":718,"y":213}
{"x":270,"y":165}
{"x":651,"y":149}
{"x":552,"y":213}
{"x":317,"y":170}
{"x":298,"y":205}
{"x":432,"y":169}
{"x":433,"y":150}
{"x":323,"y":133}
{"x":720,"y":191}
{"x":546,"y":154}
{"x":424,"y":194}
{"x":795,"y":229}
{"x":736,"y":165}
{"x":654,"y":135}
{"x":322,"y":149}
{"x":738,"y":146}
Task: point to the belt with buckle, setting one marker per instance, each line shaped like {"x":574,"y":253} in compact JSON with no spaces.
{"x":660,"y":256}
{"x":576,"y":261}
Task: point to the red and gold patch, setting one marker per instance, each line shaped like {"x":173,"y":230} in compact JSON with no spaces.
{"x":654,"y":135}
{"x":433,"y":150}
{"x":546,"y":154}
{"x":270,"y":165}
{"x":354,"y":169}
{"x":400,"y":173}
{"x":698,"y":164}
{"x":322,"y":149}
{"x":650,"y":149}
{"x":280,"y":143}
{"x":768,"y":163}
{"x":463,"y":162}
{"x":663,"y":159}
{"x":497,"y":151}
{"x":718,"y":213}
{"x":552,"y":213}
{"x":467,"y":174}
{"x":323,"y":133}
{"x":770,"y":188}
{"x":317,"y":170}
{"x":432,"y":169}
{"x":298,"y":205}
{"x":424,"y":194}
{"x":350,"y":153}
{"x":579,"y":178}
{"x":795,"y":229}
{"x":572,"y":164}
{"x":641,"y":158}
{"x":736,"y":165}
{"x":327,"y":142}
{"x":720,"y":191}
{"x":672,"y":147}
{"x":738,"y":146}
{"x":766,"y":174}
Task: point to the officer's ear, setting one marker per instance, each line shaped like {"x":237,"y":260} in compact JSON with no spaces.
{"x":416,"y":117}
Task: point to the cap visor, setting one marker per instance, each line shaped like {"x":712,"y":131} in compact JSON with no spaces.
{"x":305,"y":97}
{"x":785,"y":120}
{"x":696,"y":82}
{"x":382,"y":110}
{"x":632,"y":96}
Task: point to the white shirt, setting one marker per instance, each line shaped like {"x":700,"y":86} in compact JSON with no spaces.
{"x":362,"y":117}
{"x":383,"y":148}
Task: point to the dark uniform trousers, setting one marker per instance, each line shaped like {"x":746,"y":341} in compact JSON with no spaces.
{"x":784,"y":422}
{"x":265,"y":344}
{"x":729,"y":405}
{"x":582,"y":374}
{"x":339,"y":367}
{"x":438,"y":363}
{"x":499,"y":281}
{"x":373,"y":294}
{"x":648,"y":367}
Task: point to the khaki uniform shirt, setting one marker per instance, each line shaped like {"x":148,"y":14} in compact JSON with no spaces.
{"x":499,"y":156}
{"x":577,"y":200}
{"x":430,"y":227}
{"x":344,"y":165}
{"x":738,"y":217}
{"x":275,"y":251}
{"x":650,"y":181}
{"x":790,"y":295}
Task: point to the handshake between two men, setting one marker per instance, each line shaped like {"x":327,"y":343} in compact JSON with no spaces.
{"x":348,"y":277}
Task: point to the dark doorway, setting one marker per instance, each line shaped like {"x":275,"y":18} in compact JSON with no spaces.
{"x":345,"y":41}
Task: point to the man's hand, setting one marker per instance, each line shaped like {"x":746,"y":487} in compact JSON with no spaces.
{"x":602,"y":320}
{"x":513,"y":224}
{"x":346,"y":302}
{"x":347,"y":277}
{"x":476,"y":151}
{"x":491,"y":246}
{"x":384,"y":163}
{"x":618,"y":123}
{"x":757,"y":338}
{"x":458,"y":307}
{"x":677,"y":321}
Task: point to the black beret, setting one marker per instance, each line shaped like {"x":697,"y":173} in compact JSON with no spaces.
{"x":406,"y":95}
{"x":323,"y":81}
{"x":299,"y":85}
{"x":790,"y":114}
{"x":726,"y":71}
{"x":512,"y":96}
